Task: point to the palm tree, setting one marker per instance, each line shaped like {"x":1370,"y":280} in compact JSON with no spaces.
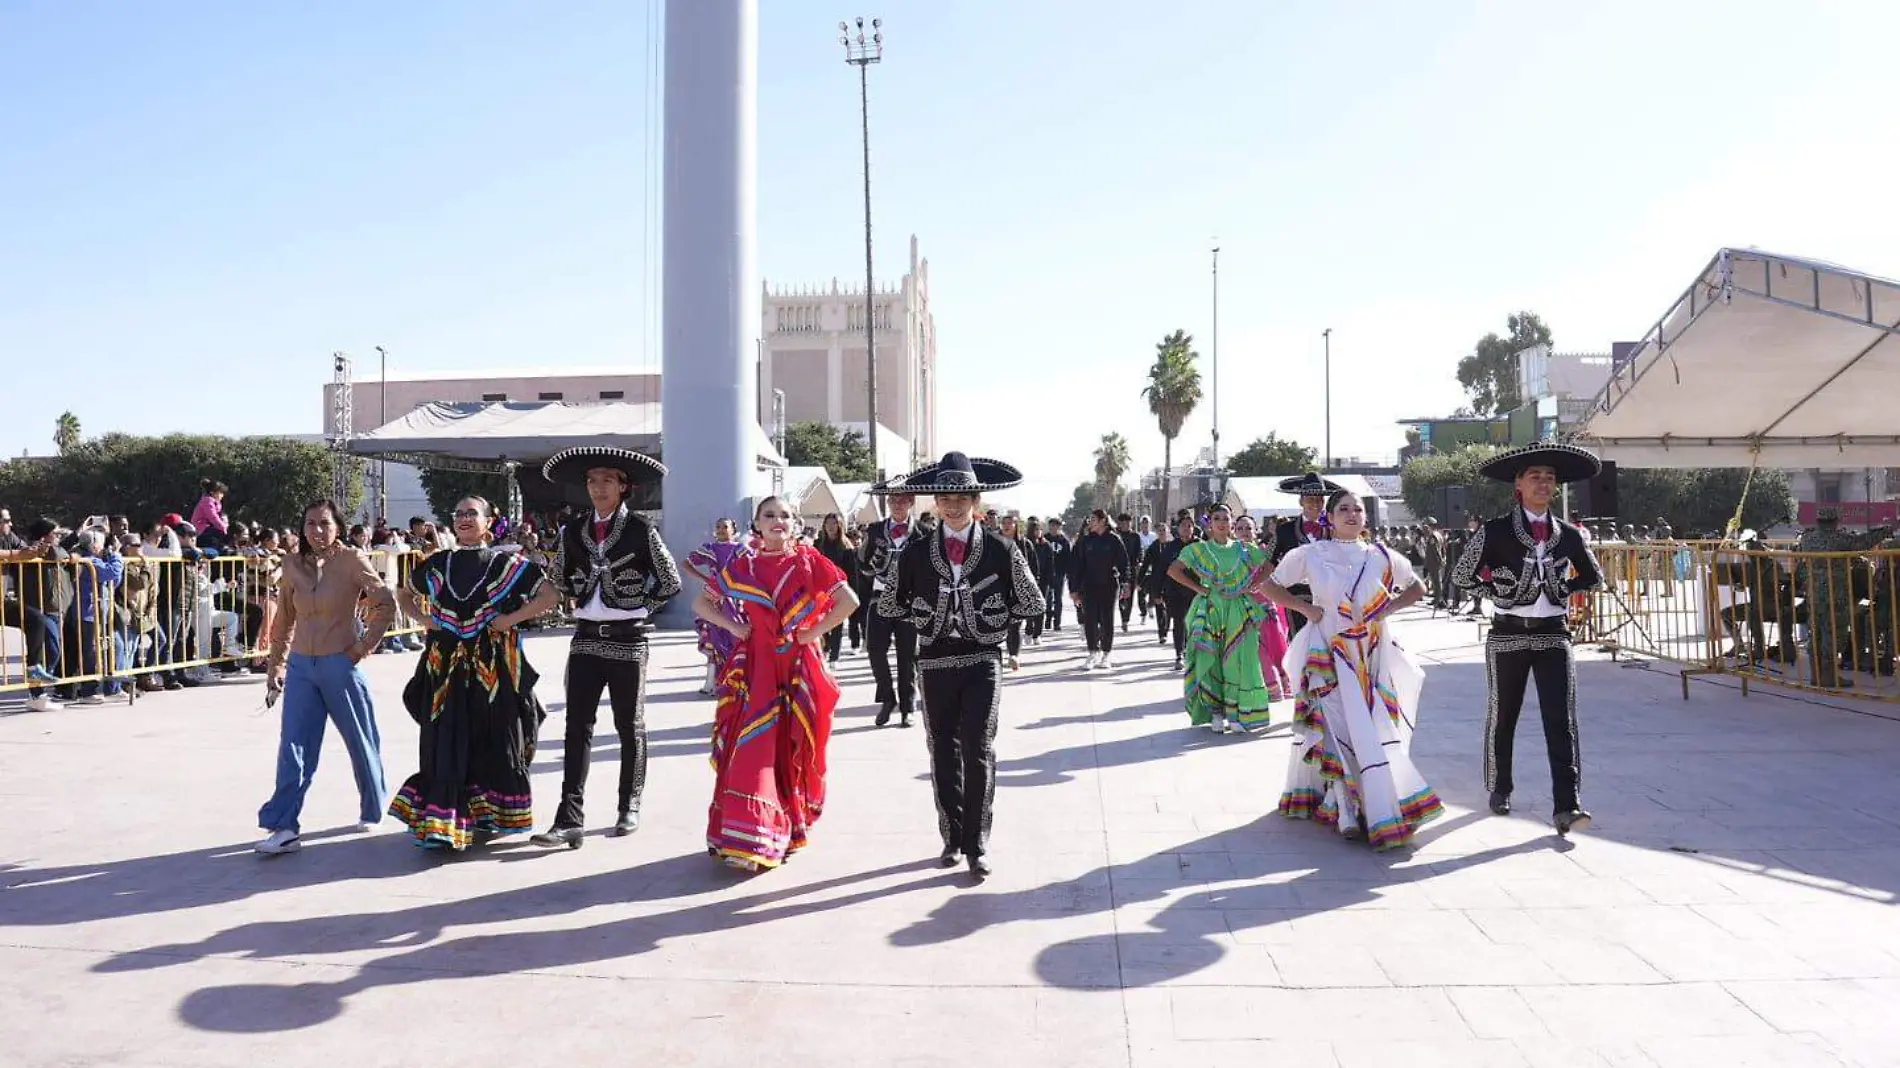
{"x":66,"y":432}
{"x":1173,"y":391}
{"x":1111,"y":460}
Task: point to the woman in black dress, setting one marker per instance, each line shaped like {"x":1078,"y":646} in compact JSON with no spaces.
{"x":836,"y":546}
{"x":473,"y":691}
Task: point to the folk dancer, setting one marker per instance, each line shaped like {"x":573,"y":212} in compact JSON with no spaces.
{"x":619,"y":574}
{"x":1310,"y":527}
{"x":883,"y":541}
{"x":705,"y":562}
{"x":960,"y":588}
{"x":1225,"y":689}
{"x":1529,"y":563}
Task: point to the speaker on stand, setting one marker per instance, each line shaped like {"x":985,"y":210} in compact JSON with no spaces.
{"x":1598,"y":496}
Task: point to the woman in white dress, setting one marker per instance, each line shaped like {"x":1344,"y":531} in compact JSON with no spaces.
{"x":1356,"y":702}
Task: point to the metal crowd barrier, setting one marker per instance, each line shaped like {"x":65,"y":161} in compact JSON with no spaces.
{"x":164,"y":623}
{"x":1821,"y":622}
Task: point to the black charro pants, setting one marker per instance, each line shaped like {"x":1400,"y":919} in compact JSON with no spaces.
{"x":960,"y":707}
{"x":882,"y":634}
{"x":624,"y":681}
{"x":1517,"y":652}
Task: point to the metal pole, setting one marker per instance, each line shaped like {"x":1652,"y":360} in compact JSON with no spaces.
{"x":1216,"y":335}
{"x":1327,"y":336}
{"x":382,"y":466}
{"x":861,"y":52}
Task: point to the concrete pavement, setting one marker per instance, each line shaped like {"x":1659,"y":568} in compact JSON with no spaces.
{"x":1732,"y":906}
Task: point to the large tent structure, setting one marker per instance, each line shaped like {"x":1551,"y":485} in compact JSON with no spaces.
{"x":1765,"y":360}
{"x":516,"y":437}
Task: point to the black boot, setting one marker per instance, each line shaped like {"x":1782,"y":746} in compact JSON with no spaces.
{"x":951,"y":854}
{"x":554,"y":837}
{"x":980,"y":867}
{"x":903,"y":717}
{"x":1500,"y":804}
{"x":1574,"y":820}
{"x":628,"y":822}
{"x":884,"y":713}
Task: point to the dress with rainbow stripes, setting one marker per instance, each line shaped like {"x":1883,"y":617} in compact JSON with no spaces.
{"x":1356,"y":703}
{"x":774,"y":708}
{"x":1223,"y":635}
{"x":473,"y":696}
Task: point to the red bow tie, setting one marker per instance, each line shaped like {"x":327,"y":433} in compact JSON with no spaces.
{"x":899,"y":530}
{"x":1314,"y":529}
{"x":600,"y":529}
{"x":1540,"y":530}
{"x":956,"y":549}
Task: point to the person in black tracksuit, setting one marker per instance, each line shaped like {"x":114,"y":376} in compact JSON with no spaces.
{"x":1053,"y":556}
{"x":1131,"y":546}
{"x":1098,"y":573}
{"x":1171,"y":600}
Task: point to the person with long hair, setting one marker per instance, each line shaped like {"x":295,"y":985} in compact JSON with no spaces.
{"x":1225,"y":689}
{"x":473,"y":690}
{"x":776,"y":699}
{"x":1032,"y":555}
{"x":1170,"y":599}
{"x":705,"y":562}
{"x":1271,"y":624}
{"x":315,"y":648}
{"x":1099,"y":569}
{"x":836,"y":546}
{"x":1357,"y":701}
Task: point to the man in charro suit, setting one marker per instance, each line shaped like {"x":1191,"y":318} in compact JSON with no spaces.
{"x":877,"y":557}
{"x":619,"y":574}
{"x":1308,"y":527}
{"x":1528,"y":563}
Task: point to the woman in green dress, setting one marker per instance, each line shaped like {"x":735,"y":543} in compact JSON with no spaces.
{"x":1225,"y":688}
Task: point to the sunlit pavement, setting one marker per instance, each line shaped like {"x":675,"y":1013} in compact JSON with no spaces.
{"x":1731,"y":906}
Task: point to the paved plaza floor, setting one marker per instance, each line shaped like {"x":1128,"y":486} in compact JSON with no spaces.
{"x":1732,"y":905}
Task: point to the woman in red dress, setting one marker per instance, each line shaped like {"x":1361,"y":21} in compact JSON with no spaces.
{"x":775,"y":696}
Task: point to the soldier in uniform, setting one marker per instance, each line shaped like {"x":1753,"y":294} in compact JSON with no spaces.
{"x":1828,"y":584}
{"x":619,"y":574}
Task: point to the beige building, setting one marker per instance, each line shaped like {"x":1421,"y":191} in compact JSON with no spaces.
{"x":814,"y":351}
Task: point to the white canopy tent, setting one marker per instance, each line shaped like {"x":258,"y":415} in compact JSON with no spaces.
{"x":1766,"y":359}
{"x":519,"y":432}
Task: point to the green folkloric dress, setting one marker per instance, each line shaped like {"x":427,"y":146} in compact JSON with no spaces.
{"x":1223,"y":637}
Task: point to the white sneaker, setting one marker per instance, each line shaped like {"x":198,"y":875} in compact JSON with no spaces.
{"x":1218,"y":725}
{"x":280,"y":842}
{"x":42,"y":704}
{"x":1107,"y":664}
{"x":364,"y":827}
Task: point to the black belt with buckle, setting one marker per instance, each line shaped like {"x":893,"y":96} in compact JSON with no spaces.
{"x":620,"y":630}
{"x":1506,"y":623}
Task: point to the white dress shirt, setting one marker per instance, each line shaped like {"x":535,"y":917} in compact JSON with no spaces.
{"x":596,"y":608}
{"x":897,"y":547}
{"x":1539,"y":562}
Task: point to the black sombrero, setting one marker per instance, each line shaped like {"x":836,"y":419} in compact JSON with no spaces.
{"x":569,"y":467}
{"x":1310,"y":485}
{"x":1571,"y":463}
{"x":955,"y":473}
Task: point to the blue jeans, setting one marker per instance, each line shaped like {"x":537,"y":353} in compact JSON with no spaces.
{"x":316,"y":689}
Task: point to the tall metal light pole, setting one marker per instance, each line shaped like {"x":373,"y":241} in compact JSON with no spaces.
{"x":1216,"y":346}
{"x":382,"y":466}
{"x":1327,"y":336}
{"x":861,"y":51}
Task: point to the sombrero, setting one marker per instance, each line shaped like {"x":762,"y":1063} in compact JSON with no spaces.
{"x":1310,"y":485}
{"x":1571,"y":463}
{"x":955,"y":473}
{"x":569,"y":467}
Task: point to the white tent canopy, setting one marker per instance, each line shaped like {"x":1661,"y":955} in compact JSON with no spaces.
{"x":1262,"y":498}
{"x":1765,"y":359}
{"x":523,"y":432}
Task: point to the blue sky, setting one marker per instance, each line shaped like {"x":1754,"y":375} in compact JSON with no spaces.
{"x":199,"y":202}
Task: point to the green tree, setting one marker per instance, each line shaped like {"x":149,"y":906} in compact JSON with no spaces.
{"x":1489,"y":374}
{"x":844,"y":454}
{"x":1699,"y":502}
{"x":1272,"y":455}
{"x":1081,"y":502}
{"x":1172,"y":393}
{"x":66,"y":432}
{"x":444,"y":488}
{"x":1111,"y":462}
{"x":1421,"y":480}
{"x":270,"y":479}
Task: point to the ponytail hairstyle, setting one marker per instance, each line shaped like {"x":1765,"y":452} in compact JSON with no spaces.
{"x":1332,"y":502}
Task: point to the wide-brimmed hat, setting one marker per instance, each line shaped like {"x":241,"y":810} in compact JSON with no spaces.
{"x":955,"y":473}
{"x":569,"y":467}
{"x":1571,"y":463}
{"x":1310,"y":485}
